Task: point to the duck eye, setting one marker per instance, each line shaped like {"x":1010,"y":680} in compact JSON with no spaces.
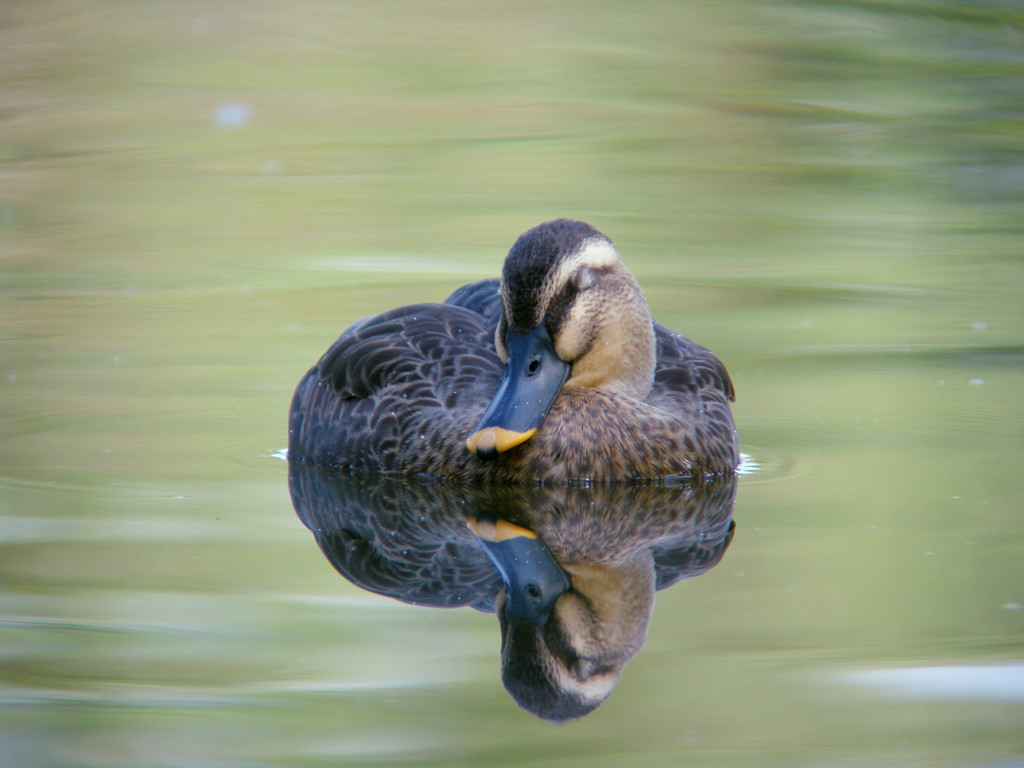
{"x":533,"y":366}
{"x":584,"y":278}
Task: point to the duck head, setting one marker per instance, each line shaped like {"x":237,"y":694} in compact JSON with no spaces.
{"x":567,"y":630}
{"x":572,"y":316}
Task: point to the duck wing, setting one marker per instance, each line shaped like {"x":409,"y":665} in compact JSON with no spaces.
{"x":482,"y":297}
{"x":692,"y":385}
{"x":684,"y":366}
{"x":398,"y":391}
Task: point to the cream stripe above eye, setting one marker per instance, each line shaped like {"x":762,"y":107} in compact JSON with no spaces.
{"x":595,"y":253}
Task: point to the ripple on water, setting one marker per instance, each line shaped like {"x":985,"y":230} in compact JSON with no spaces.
{"x":763,"y":464}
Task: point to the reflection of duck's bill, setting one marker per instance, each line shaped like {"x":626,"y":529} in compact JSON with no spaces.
{"x":534,"y":375}
{"x":533,"y":580}
{"x":498,"y":530}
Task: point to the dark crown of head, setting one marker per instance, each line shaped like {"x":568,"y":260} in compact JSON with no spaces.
{"x":533,"y":255}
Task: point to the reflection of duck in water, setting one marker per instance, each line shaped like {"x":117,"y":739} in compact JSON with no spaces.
{"x":557,"y":372}
{"x":574,"y":569}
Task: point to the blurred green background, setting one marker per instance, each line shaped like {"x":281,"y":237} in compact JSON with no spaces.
{"x":197,"y":197}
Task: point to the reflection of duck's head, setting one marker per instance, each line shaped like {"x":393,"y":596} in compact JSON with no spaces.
{"x":566,"y":632}
{"x":567,"y":667}
{"x":572,"y":316}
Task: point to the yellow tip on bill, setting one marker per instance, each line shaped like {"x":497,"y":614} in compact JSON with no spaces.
{"x":496,"y":439}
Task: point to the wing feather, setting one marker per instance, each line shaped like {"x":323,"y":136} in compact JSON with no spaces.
{"x":421,"y":369}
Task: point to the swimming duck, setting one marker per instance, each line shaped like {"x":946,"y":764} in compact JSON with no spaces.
{"x":557,"y":372}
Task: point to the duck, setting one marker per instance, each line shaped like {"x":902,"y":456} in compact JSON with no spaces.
{"x":555,"y":372}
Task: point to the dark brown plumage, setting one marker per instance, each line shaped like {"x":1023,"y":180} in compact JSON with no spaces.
{"x":402,"y":391}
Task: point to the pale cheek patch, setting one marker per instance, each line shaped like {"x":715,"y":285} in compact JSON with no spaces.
{"x":603,"y":357}
{"x":578,"y":331}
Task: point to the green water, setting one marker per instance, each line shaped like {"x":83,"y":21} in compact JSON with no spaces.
{"x":196,"y":198}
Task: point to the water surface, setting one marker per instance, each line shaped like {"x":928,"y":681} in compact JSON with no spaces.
{"x":196,"y":199}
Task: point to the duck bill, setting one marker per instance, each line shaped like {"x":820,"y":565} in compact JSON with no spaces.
{"x":533,"y":580}
{"x":534,"y":376}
